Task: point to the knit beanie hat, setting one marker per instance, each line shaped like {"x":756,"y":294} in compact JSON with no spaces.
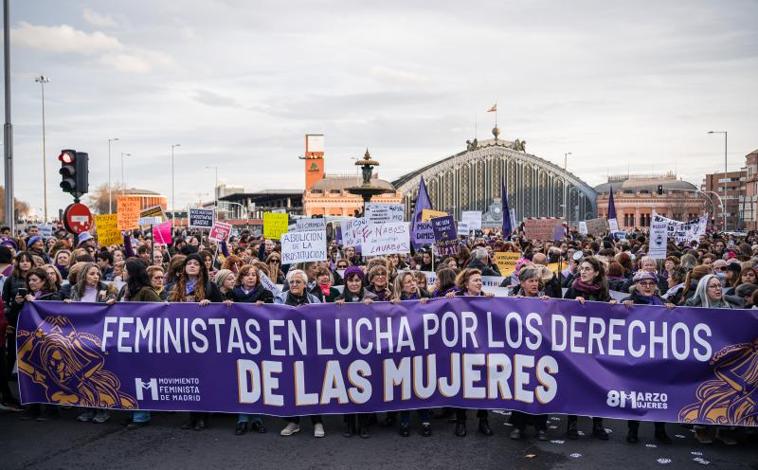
{"x":221,"y":276}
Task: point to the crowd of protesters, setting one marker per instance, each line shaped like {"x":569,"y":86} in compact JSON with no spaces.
{"x":719,"y":271}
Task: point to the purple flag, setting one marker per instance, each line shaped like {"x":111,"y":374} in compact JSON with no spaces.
{"x":421,"y":232}
{"x":507,"y":229}
{"x":611,"y":205}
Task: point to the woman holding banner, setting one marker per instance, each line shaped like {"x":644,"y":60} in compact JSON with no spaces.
{"x":590,"y":285}
{"x":89,"y":287}
{"x":405,"y":288}
{"x":248,"y":289}
{"x":378,"y":282}
{"x":355,"y":292}
{"x":530,"y":281}
{"x":644,"y":293}
{"x":194,"y":285}
{"x":469,"y":284}
{"x":296,"y":296}
{"x":140,"y":288}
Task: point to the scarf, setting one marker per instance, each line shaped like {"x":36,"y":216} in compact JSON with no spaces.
{"x":673,"y":291}
{"x":647,"y":299}
{"x":586,"y":288}
{"x":295,"y":300}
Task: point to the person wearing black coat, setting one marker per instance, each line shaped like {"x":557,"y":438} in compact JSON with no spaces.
{"x":194,"y":285}
{"x":644,"y":293}
{"x":591,"y":284}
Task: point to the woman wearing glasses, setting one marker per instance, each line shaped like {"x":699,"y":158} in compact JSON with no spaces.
{"x":590,"y":285}
{"x":296,"y":296}
{"x":645,"y":292}
{"x":274,"y":262}
{"x":709,"y":293}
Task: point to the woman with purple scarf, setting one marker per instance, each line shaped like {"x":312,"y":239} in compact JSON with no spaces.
{"x":590,"y":285}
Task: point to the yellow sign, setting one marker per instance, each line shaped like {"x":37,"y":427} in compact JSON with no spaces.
{"x":106,"y":226}
{"x":429,"y":214}
{"x":506,"y":262}
{"x":555,"y":267}
{"x":128,"y":209}
{"x":274,"y":225}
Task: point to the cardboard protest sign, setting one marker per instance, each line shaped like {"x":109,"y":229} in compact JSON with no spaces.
{"x":583,"y":228}
{"x":388,"y":238}
{"x":429,"y":214}
{"x":506,"y":262}
{"x":127,"y":209}
{"x":445,"y":235}
{"x":658,"y":238}
{"x":162,"y":233}
{"x":473,"y":219}
{"x":613,"y":224}
{"x":201,"y":218}
{"x":152,"y":216}
{"x":598,"y":226}
{"x":106,"y":227}
{"x":220,"y":232}
{"x":463,"y":229}
{"x":306,"y":225}
{"x":354,"y":231}
{"x":546,"y":229}
{"x":378,"y":213}
{"x":275,"y":224}
{"x":300,"y":247}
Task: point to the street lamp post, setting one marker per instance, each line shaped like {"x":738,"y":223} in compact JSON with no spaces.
{"x":215,"y":187}
{"x":173,"y":201}
{"x":110,"y":188}
{"x":42,"y":80}
{"x":123,"y":178}
{"x":726,"y":140}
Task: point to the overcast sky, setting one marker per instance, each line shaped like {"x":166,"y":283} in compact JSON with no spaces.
{"x":624,"y":86}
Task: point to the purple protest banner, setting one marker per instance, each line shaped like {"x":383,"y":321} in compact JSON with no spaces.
{"x":445,"y":235}
{"x":648,"y":363}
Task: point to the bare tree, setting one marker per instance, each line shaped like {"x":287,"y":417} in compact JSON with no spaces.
{"x":97,"y":200}
{"x":22,"y":207}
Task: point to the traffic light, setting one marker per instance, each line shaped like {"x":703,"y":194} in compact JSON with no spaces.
{"x":74,"y":172}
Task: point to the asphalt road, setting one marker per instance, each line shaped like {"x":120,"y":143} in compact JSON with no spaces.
{"x":63,"y":443}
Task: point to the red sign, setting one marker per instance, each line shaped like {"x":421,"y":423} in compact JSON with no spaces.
{"x":220,"y":232}
{"x":77,"y":218}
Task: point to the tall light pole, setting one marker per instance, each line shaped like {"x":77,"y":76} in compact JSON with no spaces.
{"x":110,"y":188}
{"x":173,"y":201}
{"x":726,"y":140}
{"x":565,"y":189}
{"x":123,"y":178}
{"x":42,"y":80}
{"x":10,"y":209}
{"x":215,"y":188}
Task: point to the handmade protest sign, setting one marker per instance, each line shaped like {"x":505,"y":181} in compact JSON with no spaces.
{"x":127,"y":209}
{"x":354,"y":231}
{"x":162,"y":233}
{"x":445,"y":235}
{"x":549,"y":228}
{"x":275,"y":224}
{"x":201,"y":218}
{"x":220,"y":232}
{"x":385,"y":239}
{"x":304,"y":225}
{"x":506,"y":262}
{"x":378,"y":213}
{"x":106,"y":227}
{"x":299,"y":247}
{"x":658,"y":239}
{"x":583,"y":228}
{"x":473,"y":219}
{"x":463,"y":229}
{"x":529,"y":355}
{"x":152,"y":216}
{"x":598,"y":226}
{"x":429,"y":214}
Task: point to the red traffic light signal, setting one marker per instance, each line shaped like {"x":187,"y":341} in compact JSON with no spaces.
{"x":74,"y":172}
